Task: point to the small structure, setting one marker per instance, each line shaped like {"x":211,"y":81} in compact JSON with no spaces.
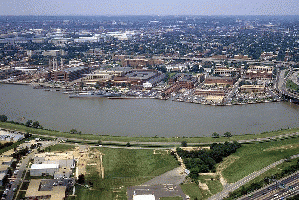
{"x":144,"y":197}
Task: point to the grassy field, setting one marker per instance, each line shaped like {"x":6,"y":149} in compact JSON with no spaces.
{"x":194,"y":191}
{"x":270,"y":172}
{"x":212,"y":182}
{"x":253,"y":157}
{"x":144,"y":139}
{"x":60,"y":147}
{"x":123,"y":168}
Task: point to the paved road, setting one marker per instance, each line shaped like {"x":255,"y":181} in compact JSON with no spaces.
{"x":157,"y":190}
{"x":275,"y":191}
{"x":243,"y":181}
{"x":172,"y":177}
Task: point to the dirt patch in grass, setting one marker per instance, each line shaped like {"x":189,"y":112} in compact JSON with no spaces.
{"x":97,"y":156}
{"x":285,"y":147}
{"x":223,"y":165}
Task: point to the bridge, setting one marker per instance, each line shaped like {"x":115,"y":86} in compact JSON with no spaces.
{"x":283,"y":91}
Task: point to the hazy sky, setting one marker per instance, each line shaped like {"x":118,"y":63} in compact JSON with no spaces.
{"x":146,"y":7}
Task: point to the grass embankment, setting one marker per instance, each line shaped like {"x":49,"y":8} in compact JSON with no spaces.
{"x":123,"y":168}
{"x":104,"y":138}
{"x":253,"y":157}
{"x":247,"y":159}
{"x":263,"y":179}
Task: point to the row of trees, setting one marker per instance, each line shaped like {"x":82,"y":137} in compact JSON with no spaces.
{"x":226,"y":134}
{"x":32,"y":124}
{"x":202,"y":161}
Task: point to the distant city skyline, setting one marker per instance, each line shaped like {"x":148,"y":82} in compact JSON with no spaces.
{"x":154,"y":7}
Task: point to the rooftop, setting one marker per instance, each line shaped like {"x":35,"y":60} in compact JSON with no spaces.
{"x":44,"y":166}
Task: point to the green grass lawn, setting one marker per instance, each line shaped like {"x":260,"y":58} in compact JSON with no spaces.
{"x":194,"y":191}
{"x":272,"y":171}
{"x":123,"y":168}
{"x":60,"y":147}
{"x":253,"y":157}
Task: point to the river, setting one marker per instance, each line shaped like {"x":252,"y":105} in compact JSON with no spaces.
{"x":141,"y":117}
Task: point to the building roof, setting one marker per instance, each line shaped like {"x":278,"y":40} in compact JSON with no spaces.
{"x":57,"y":192}
{"x":2,"y":175}
{"x":44,"y":166}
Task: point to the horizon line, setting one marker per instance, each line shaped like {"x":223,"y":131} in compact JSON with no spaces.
{"x":148,"y":15}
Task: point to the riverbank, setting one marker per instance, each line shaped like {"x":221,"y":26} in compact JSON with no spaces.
{"x":164,"y":140}
{"x":186,"y":97}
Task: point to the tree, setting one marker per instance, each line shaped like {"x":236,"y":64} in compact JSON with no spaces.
{"x":35,"y":124}
{"x":73,"y":131}
{"x":3,"y":118}
{"x":27,"y":135}
{"x":81,"y":179}
{"x":28,"y":123}
{"x":128,"y":144}
{"x":215,"y":135}
{"x":184,"y":143}
{"x":227,"y":134}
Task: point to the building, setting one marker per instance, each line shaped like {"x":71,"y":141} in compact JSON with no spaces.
{"x":46,"y":189}
{"x":54,"y":53}
{"x":63,"y":172}
{"x":224,"y":71}
{"x":259,"y":72}
{"x":10,"y":137}
{"x":139,"y":63}
{"x":252,"y":88}
{"x":136,"y":78}
{"x":260,"y":75}
{"x":200,"y":92}
{"x":136,"y":63}
{"x":103,"y":75}
{"x":183,"y":80}
{"x":219,"y":81}
{"x":43,"y":169}
{"x":69,"y":74}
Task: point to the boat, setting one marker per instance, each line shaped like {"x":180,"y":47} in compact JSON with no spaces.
{"x":94,"y":94}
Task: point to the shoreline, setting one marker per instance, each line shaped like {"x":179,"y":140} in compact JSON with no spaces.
{"x":140,"y":139}
{"x":138,"y":97}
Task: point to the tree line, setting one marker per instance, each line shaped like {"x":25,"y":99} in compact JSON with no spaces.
{"x":202,"y":161}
